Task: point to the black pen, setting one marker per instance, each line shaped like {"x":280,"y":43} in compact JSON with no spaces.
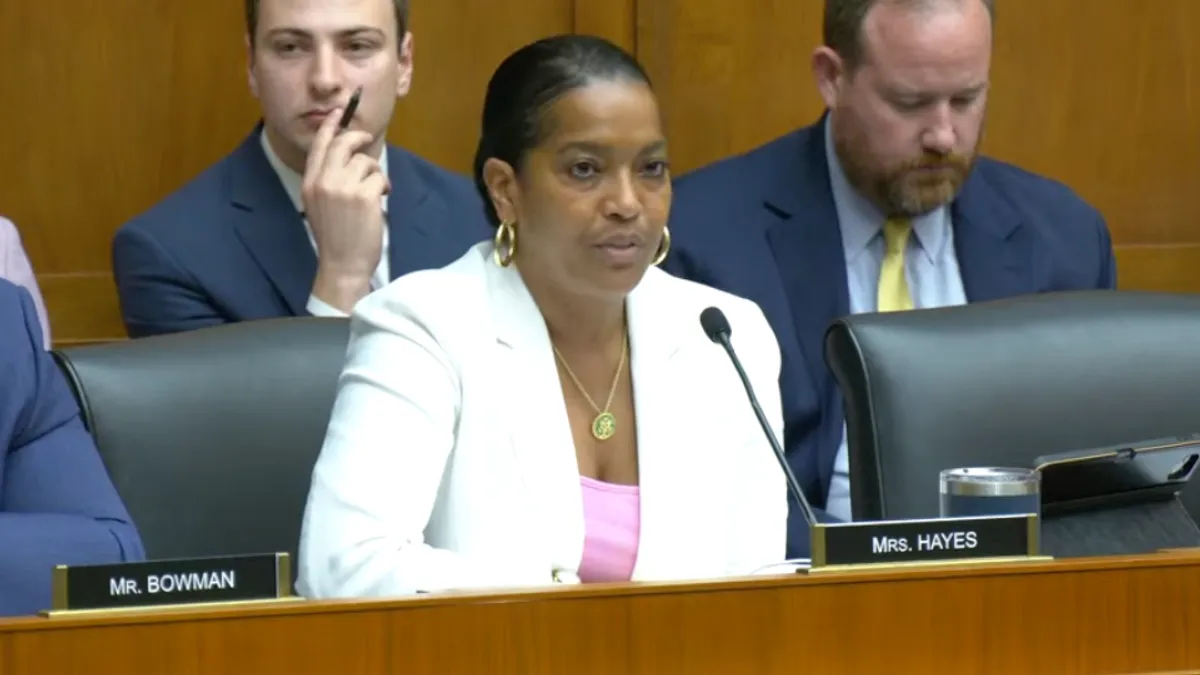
{"x":351,"y":107}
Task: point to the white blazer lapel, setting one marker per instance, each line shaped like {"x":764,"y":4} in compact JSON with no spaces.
{"x":538,"y":429}
{"x":664,"y":431}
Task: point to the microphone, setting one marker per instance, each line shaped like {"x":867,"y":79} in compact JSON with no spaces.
{"x":716,"y":327}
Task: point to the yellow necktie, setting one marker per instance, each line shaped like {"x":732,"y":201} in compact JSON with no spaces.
{"x":893,"y":287}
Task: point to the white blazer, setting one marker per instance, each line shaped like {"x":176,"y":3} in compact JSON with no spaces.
{"x":449,"y":461}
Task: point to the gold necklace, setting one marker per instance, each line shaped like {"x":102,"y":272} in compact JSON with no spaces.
{"x":605,"y":424}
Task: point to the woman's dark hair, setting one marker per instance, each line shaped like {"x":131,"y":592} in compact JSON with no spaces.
{"x":528,"y":82}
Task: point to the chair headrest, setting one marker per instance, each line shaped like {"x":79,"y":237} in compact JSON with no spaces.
{"x":210,"y":436}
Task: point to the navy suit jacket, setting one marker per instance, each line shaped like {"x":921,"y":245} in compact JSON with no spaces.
{"x":763,"y":225}
{"x":230,"y":246}
{"x":57,"y":503}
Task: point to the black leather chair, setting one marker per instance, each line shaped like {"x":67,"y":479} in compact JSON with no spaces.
{"x":1001,"y":383}
{"x":210,"y":436}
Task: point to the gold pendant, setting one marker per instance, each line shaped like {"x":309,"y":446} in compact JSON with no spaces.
{"x":604,"y":426}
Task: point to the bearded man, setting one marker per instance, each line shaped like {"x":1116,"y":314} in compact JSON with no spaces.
{"x":882,"y":205}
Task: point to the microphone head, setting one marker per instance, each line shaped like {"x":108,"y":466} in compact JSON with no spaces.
{"x":715,"y":324}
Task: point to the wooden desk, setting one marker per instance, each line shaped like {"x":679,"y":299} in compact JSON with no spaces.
{"x":1108,"y":615}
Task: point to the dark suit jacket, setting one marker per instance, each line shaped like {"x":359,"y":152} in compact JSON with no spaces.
{"x":229,"y":246}
{"x":57,"y":503}
{"x":763,"y":225}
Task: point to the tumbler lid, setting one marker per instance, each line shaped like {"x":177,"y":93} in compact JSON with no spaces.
{"x":990,"y":482}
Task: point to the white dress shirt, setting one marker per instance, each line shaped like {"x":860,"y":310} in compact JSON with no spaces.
{"x":449,"y":462}
{"x":930,"y":267}
{"x":292,"y":182}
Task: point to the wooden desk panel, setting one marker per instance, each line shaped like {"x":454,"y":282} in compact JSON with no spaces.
{"x":214,"y":643}
{"x":1120,"y":615}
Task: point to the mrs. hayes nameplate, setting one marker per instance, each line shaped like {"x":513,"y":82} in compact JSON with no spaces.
{"x":925,"y":541}
{"x":183,"y":581}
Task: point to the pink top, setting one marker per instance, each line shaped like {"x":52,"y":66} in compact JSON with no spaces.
{"x":612,"y":521}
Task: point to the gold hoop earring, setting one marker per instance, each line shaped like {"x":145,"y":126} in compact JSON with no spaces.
{"x":506,"y":239}
{"x":664,"y":247}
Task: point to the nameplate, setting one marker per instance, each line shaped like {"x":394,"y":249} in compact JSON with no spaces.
{"x":172,"y":582}
{"x":933,"y":540}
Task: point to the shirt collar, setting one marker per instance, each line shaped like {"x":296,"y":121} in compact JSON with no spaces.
{"x":861,"y":221}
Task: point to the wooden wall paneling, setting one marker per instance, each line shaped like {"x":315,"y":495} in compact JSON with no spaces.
{"x":614,"y":20}
{"x":458,"y":43}
{"x":731,"y":74}
{"x":1169,"y":268}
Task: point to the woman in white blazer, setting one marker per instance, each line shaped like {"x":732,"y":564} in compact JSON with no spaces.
{"x":547,"y":408}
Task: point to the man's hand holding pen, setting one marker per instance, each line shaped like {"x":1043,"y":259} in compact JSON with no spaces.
{"x":342,"y":190}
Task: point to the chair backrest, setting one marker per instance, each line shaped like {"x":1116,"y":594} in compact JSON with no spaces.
{"x":211,"y":436}
{"x":1001,"y":383}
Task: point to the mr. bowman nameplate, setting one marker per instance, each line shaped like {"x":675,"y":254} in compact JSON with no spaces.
{"x":172,"y":582}
{"x":918,"y":541}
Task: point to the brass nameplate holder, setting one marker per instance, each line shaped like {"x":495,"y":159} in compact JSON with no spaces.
{"x":173,"y":584}
{"x":919,"y":543}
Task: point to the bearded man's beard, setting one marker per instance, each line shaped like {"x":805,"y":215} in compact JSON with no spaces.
{"x":910,"y":189}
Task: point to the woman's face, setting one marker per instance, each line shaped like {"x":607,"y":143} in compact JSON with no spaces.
{"x":591,"y":200}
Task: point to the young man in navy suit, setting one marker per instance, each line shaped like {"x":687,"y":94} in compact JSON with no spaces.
{"x":303,"y":218}
{"x":57,"y":503}
{"x":881,"y":205}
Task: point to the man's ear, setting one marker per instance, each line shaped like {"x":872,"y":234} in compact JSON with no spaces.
{"x":250,"y":76}
{"x":405,"y":72}
{"x":829,"y":70}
